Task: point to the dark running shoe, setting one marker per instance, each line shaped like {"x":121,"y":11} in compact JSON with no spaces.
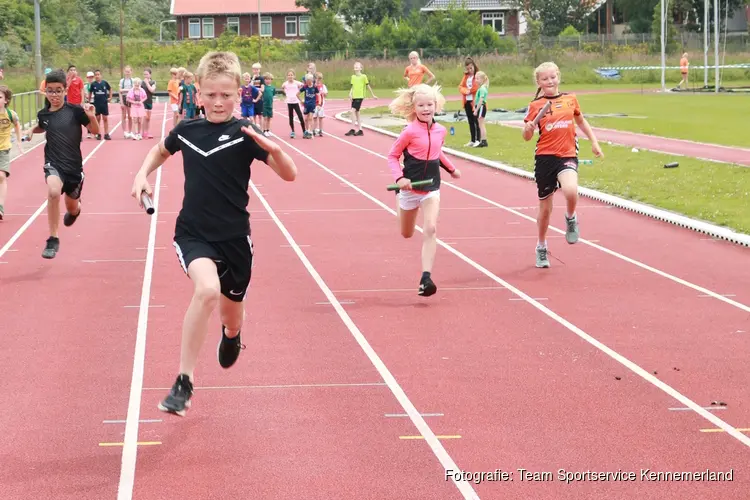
{"x":178,"y":399}
{"x":69,"y":218}
{"x":229,"y":349}
{"x":427,"y":287}
{"x":52,"y":247}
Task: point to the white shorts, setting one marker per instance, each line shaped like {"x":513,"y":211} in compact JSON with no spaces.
{"x":319,"y":112}
{"x":409,"y":200}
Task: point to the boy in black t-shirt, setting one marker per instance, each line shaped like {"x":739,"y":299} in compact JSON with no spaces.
{"x":63,"y":162}
{"x":212,"y":232}
{"x":100,"y":93}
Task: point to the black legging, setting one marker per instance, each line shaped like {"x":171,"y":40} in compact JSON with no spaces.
{"x":473,"y":120}
{"x":296,"y":109}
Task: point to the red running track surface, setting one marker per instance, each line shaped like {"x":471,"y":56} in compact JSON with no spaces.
{"x":310,"y":410}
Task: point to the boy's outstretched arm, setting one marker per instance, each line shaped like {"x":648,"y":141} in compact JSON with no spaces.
{"x":278,"y":160}
{"x":154,"y":159}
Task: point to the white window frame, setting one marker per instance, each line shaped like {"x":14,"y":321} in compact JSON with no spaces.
{"x":194,"y":21}
{"x":206,"y":22}
{"x":266,"y":21}
{"x":304,"y":21}
{"x":233,"y":22}
{"x":491,"y":18}
{"x":287,"y":20}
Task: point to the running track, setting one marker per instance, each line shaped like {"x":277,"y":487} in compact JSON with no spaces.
{"x":602,"y":363}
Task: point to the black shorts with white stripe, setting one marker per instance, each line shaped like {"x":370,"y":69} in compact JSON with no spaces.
{"x":233,"y":258}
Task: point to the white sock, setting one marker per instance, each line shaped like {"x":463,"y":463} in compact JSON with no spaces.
{"x":540,"y":244}
{"x":571,"y":217}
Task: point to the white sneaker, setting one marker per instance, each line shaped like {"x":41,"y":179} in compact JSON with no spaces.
{"x":469,"y":144}
{"x":128,"y":135}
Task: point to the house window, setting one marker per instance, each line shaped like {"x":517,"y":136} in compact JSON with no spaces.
{"x":290,"y":26}
{"x":208,"y":27}
{"x":194,"y":28}
{"x":233,"y":25}
{"x":265,"y":26}
{"x":494,"y":19}
{"x":304,"y":25}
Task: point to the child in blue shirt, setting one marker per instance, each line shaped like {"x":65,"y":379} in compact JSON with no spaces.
{"x":311,"y":99}
{"x":250,"y":95}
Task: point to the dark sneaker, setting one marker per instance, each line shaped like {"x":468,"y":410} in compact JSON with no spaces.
{"x":178,"y":399}
{"x":351,"y":132}
{"x":107,"y":137}
{"x":70,"y":219}
{"x":98,"y":137}
{"x":52,"y":247}
{"x":427,"y":287}
{"x":229,"y":349}
{"x":359,"y":132}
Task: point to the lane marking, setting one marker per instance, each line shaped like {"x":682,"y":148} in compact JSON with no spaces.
{"x":458,"y":288}
{"x":130,"y":446}
{"x":722,"y":430}
{"x":140,"y":306}
{"x":590,"y":243}
{"x":140,"y":443}
{"x":533,"y":298}
{"x":349,"y":302}
{"x":438,"y":437}
{"x":41,"y":208}
{"x":113,"y":260}
{"x":704,"y":407}
{"x":396,"y":415}
{"x":646,"y":375}
{"x":723,"y":295}
{"x":278,"y":386}
{"x":424,"y":430}
{"x":146,"y":421}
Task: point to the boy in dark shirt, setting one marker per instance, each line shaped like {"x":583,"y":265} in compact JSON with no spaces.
{"x":100,"y":93}
{"x":212,"y":232}
{"x":63,"y":162}
{"x":311,"y":99}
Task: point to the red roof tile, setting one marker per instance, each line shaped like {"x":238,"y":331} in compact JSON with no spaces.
{"x":204,"y":7}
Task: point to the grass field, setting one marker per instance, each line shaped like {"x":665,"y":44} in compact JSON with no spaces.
{"x":697,"y":117}
{"x":708,"y":191}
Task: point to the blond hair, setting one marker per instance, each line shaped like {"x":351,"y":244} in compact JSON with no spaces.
{"x":404,"y":104}
{"x":216,"y":64}
{"x":545,"y":66}
{"x":483,"y":76}
{"x":268,"y":76}
{"x":415,"y":53}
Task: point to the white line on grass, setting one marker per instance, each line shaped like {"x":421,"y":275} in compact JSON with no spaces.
{"x":130,"y":441}
{"x":424,"y":429}
{"x":646,"y":375}
{"x":41,"y":208}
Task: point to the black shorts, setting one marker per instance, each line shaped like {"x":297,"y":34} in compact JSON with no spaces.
{"x":233,"y":258}
{"x":482,"y":111}
{"x":101,"y":108}
{"x":72,"y":183}
{"x":546,"y":170}
{"x":258,"y":107}
{"x":357,"y":103}
{"x":309,"y":108}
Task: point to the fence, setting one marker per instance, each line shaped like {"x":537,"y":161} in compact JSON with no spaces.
{"x":26,"y":105}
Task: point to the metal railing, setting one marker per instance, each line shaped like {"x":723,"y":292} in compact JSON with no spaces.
{"x":26,"y":105}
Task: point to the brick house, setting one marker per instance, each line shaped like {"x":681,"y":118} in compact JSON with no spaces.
{"x":503,"y":16}
{"x":200,"y":19}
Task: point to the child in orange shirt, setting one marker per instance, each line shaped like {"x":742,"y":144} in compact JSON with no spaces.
{"x":684,"y":69}
{"x":556,"y":158}
{"x":414,"y":72}
{"x":173,"y":89}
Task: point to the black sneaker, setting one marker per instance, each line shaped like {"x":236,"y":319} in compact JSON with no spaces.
{"x":229,"y":349}
{"x":52,"y":247}
{"x":359,"y":132}
{"x":351,"y":132}
{"x":98,"y":137}
{"x":178,"y":399}
{"x":69,"y":218}
{"x":427,"y":287}
{"x":107,"y":137}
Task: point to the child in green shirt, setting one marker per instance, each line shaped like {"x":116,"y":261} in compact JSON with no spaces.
{"x":269,"y":91}
{"x":480,"y":106}
{"x":359,"y":83}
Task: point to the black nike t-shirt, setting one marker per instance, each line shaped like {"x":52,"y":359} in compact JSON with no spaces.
{"x":216,"y":162}
{"x":64,"y":132}
{"x":101,"y":92}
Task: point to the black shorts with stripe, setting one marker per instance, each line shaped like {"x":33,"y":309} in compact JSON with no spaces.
{"x":546,"y":170}
{"x":72,"y":183}
{"x":233,"y":258}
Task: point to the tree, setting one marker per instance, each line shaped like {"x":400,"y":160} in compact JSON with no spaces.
{"x":369,"y":11}
{"x":555,"y":15}
{"x":326,"y":33}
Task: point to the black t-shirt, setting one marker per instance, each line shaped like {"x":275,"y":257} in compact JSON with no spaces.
{"x":258,"y":82}
{"x":101,"y":92}
{"x":216,"y":161}
{"x":63,"y":128}
{"x":149,"y":95}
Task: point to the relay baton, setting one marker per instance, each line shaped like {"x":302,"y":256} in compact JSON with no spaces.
{"x":148,"y":204}
{"x":542,"y":113}
{"x":394,"y":187}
